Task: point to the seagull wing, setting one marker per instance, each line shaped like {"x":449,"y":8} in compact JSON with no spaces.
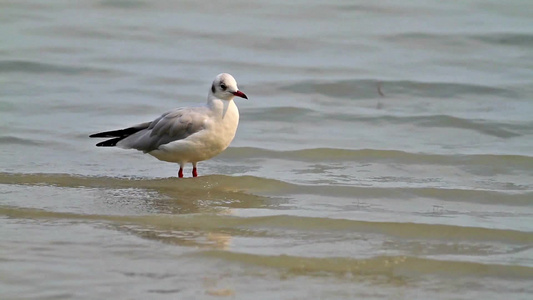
{"x":177,"y":124}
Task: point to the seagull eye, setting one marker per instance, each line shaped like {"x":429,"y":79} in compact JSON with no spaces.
{"x":223,"y":86}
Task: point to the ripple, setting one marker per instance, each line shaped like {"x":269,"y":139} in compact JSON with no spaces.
{"x":247,"y":191}
{"x":242,"y":225}
{"x":283,"y":113}
{"x":33,"y":67}
{"x":11,"y":140}
{"x":390,"y":266}
{"x":367,"y":88}
{"x":506,"y":39}
{"x":338,"y":154}
{"x":123,"y":4}
{"x":492,"y":128}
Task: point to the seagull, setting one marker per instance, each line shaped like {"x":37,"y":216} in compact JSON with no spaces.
{"x":188,"y":134}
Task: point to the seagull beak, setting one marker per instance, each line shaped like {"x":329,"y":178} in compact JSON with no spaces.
{"x":240,"y":94}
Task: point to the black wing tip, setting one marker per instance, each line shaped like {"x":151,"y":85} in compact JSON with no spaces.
{"x":116,"y":136}
{"x":109,"y":143}
{"x":117,"y":133}
{"x":106,"y":134}
{"x":96,"y":135}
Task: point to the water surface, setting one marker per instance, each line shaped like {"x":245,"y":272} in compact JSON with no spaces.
{"x":385,"y":151}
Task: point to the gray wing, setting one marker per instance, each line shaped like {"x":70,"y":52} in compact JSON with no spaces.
{"x":174,"y":125}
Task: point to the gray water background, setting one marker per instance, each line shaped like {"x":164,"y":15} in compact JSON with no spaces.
{"x":386,"y":151}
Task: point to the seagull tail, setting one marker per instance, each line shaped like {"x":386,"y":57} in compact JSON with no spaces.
{"x":117,"y":135}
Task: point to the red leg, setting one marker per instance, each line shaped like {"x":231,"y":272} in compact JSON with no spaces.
{"x":180,"y":173}
{"x":194,"y":172}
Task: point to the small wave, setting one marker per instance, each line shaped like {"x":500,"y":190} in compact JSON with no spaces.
{"x":389,"y":266}
{"x":284,"y":113}
{"x":505,"y":39}
{"x":234,"y":193}
{"x":242,"y":225}
{"x":367,"y":89}
{"x":395,"y":229}
{"x":337,"y":154}
{"x":445,"y":41}
{"x":248,"y":189}
{"x":376,"y":8}
{"x":501,"y":130}
{"x":447,"y":195}
{"x":11,"y":140}
{"x":123,"y":4}
{"x":203,"y":182}
{"x":23,"y":66}
{"x":486,"y":127}
{"x":7,"y":106}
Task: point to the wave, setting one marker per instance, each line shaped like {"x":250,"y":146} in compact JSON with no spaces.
{"x":254,"y":191}
{"x":491,"y":39}
{"x":24,"y":66}
{"x":505,"y":39}
{"x":281,"y":113}
{"x":368,"y":89}
{"x":390,"y":266}
{"x":394,"y":229}
{"x":11,"y":140}
{"x":337,"y":154}
{"x":492,"y":128}
{"x":188,"y":193}
{"x":487,"y":127}
{"x":130,"y":4}
{"x":256,"y":226}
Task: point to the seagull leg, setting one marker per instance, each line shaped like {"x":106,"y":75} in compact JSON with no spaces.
{"x":194,"y":170}
{"x":180,"y":172}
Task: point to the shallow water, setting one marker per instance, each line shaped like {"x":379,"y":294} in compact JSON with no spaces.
{"x":385,"y":151}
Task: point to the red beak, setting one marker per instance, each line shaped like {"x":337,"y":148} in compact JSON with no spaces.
{"x":240,"y":94}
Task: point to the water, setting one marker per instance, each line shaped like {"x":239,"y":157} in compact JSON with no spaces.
{"x":385,"y":151}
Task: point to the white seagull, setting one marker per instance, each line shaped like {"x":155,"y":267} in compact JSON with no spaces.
{"x":188,"y":134}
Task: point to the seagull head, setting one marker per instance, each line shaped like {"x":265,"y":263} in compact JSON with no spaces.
{"x":225,"y":87}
